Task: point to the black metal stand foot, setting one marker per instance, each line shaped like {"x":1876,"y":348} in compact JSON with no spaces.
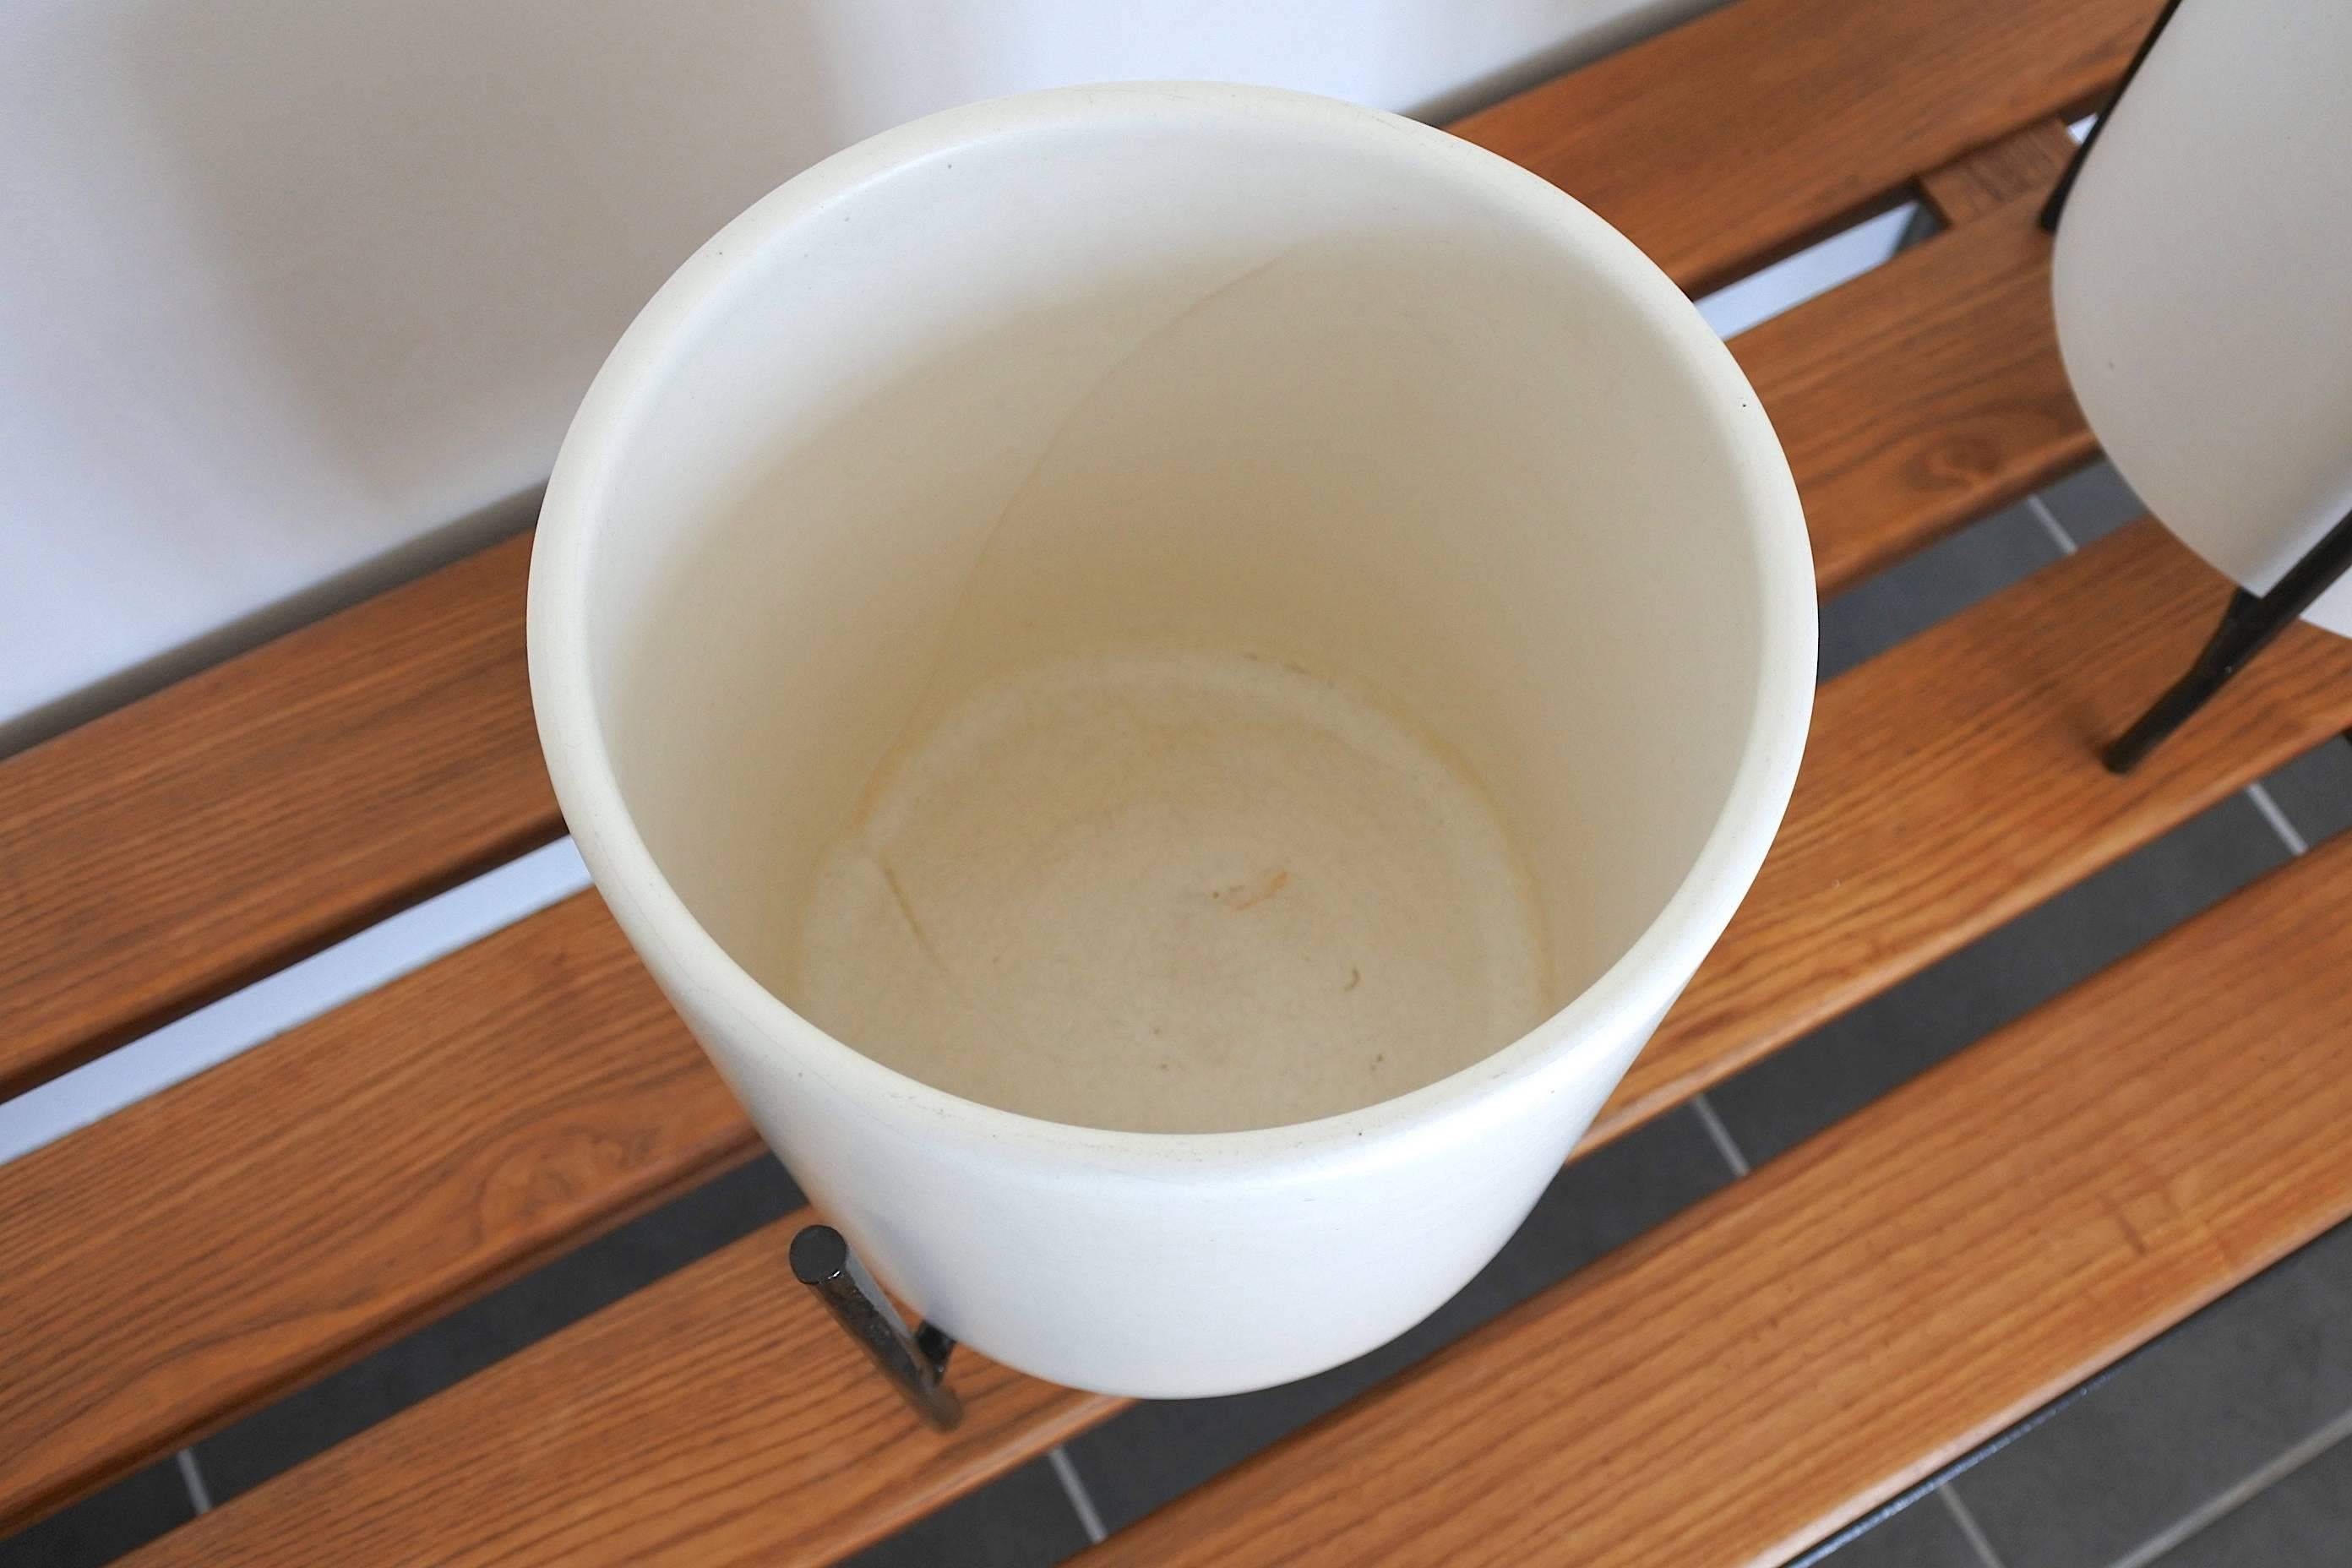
{"x":2222,"y":656}
{"x":2247,"y":627}
{"x":914,"y":1360}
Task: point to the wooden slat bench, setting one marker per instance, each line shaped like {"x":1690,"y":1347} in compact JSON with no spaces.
{"x":561,"y":987}
{"x":189,"y":1260}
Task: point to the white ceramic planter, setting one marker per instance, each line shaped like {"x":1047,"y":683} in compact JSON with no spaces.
{"x":1242,"y":369}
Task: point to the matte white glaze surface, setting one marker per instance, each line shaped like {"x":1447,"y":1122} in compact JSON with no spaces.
{"x":1067,"y":376}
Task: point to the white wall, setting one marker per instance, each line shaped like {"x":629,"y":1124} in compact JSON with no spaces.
{"x":296,"y":295}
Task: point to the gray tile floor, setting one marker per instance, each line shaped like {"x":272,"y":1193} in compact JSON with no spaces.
{"x":2305,"y":1516}
{"x":100,"y":1529}
{"x":1928,"y":1534}
{"x":2224,"y":1443}
{"x":2176,"y":1435}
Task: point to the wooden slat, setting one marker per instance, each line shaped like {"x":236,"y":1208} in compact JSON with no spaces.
{"x":1913,"y":833}
{"x":1812,"y":1340}
{"x":1752,"y":128}
{"x":1922,"y":395}
{"x":799,"y":1453}
{"x":199,"y":1253}
{"x":128,"y":1380}
{"x":215,"y":832}
{"x":2028,"y":161}
{"x":1953,"y":783}
{"x":1961,"y":760}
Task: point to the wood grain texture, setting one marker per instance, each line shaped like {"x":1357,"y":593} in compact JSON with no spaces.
{"x":1949,"y":783}
{"x":2024,"y":161}
{"x":1811,"y":1340}
{"x":1954,"y":782}
{"x":1747,"y":131}
{"x":772,"y":1442}
{"x":1922,"y":395}
{"x":1907,"y":405}
{"x":216,"y":831}
{"x":204,"y":1250}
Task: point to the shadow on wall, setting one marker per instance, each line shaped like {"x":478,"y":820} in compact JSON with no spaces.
{"x":439,"y":214}
{"x":323,"y":284}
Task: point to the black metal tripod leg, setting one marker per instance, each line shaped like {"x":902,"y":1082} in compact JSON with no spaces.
{"x":2247,"y":627}
{"x":2213,"y":670}
{"x":914,"y":1361}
